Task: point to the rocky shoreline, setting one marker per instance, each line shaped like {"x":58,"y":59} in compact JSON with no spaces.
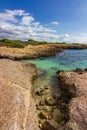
{"x":36,"y":51}
{"x":66,"y":111}
{"x":74,"y":87}
{"x":29,"y":52}
{"x":17,"y":105}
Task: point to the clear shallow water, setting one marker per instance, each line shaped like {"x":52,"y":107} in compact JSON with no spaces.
{"x":66,"y":60}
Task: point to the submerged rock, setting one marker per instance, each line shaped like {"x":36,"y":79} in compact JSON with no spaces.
{"x":43,"y":90}
{"x":57,"y":115}
{"x":42,"y":103}
{"x":46,"y":108}
{"x":43,"y":115}
{"x":49,"y":100}
{"x":49,"y":126}
{"x":57,"y":96}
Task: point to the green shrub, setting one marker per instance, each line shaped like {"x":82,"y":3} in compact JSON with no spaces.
{"x":11,"y":43}
{"x":34,"y":42}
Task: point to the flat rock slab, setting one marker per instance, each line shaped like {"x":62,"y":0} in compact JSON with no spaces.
{"x":16,"y":103}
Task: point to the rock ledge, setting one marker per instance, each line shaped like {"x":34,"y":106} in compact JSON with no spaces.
{"x":17,"y":107}
{"x":75,"y":86}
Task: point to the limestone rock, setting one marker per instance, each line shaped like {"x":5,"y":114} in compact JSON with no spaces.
{"x":75,"y":85}
{"x":17,"y":106}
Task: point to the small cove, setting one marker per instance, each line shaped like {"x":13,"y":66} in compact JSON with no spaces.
{"x":47,"y":68}
{"x":66,"y":60}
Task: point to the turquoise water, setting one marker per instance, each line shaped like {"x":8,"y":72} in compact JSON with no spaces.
{"x":66,"y":60}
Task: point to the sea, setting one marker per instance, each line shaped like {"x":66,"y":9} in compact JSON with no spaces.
{"x":65,"y":60}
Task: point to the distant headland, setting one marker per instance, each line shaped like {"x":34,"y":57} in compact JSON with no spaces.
{"x":17,"y":49}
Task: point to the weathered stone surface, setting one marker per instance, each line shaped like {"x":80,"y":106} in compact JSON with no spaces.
{"x":78,"y":114}
{"x":17,"y":107}
{"x":75,"y":84}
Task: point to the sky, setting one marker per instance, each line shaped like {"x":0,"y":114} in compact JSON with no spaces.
{"x":47,"y":20}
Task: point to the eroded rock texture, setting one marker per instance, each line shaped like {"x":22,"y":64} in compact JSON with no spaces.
{"x":75,"y":85}
{"x":17,"y":107}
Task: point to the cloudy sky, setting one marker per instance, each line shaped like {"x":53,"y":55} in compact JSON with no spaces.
{"x":51,"y":20}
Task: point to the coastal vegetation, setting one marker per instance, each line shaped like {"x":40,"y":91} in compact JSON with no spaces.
{"x":22,"y":44}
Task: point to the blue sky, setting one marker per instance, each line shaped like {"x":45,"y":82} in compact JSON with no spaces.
{"x":51,"y":20}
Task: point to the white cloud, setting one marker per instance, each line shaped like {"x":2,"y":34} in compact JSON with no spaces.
{"x":67,"y":35}
{"x":26,"y":20}
{"x":55,"y":23}
{"x":36,"y":24}
{"x":17,"y":24}
{"x":82,"y":38}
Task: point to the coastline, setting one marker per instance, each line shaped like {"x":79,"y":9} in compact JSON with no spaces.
{"x":17,"y":79}
{"x":74,"y":87}
{"x":17,"y":105}
{"x":36,"y":51}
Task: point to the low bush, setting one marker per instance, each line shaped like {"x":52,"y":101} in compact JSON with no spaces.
{"x":11,"y":43}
